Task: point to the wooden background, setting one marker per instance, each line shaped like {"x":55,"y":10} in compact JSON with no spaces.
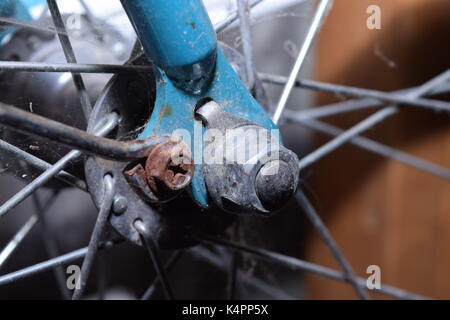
{"x":380,"y":211}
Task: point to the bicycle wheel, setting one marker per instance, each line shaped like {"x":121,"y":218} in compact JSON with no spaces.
{"x":117,"y":112}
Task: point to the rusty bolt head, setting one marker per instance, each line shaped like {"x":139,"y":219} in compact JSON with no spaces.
{"x":169,"y":167}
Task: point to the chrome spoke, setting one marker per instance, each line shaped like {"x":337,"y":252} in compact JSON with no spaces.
{"x":70,"y":57}
{"x":102,"y":271}
{"x":38,"y":182}
{"x":232,"y":276}
{"x":369,"y":122}
{"x":69,"y":67}
{"x":42,"y":165}
{"x":29,"y":25}
{"x":233,"y":269}
{"x":153,"y":250}
{"x":50,"y":246}
{"x":111,"y":122}
{"x":349,"y":105}
{"x":91,"y":19}
{"x":343,"y":138}
{"x":318,"y":224}
{"x":251,"y":281}
{"x":379,"y":95}
{"x":15,"y":242}
{"x":222,"y":25}
{"x":317,"y":22}
{"x":234,"y":16}
{"x":297,"y":264}
{"x":97,"y":234}
{"x":151,"y":290}
{"x":50,"y":264}
{"x":244,"y":17}
{"x":386,"y":97}
{"x":373,"y":146}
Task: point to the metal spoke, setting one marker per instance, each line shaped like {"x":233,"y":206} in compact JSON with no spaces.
{"x":136,"y":50}
{"x":231,"y":18}
{"x":349,"y":105}
{"x":50,"y":264}
{"x":14,"y":243}
{"x":17,"y":239}
{"x":154,"y":285}
{"x":27,"y":122}
{"x":70,"y":57}
{"x":91,"y":19}
{"x":297,"y":264}
{"x":253,"y":282}
{"x":222,"y":25}
{"x":379,"y":95}
{"x":233,"y":266}
{"x":102,"y":270}
{"x":369,"y":122}
{"x":97,"y":234}
{"x":29,"y":25}
{"x":38,"y":182}
{"x":373,"y":146}
{"x":317,"y":22}
{"x":318,"y":224}
{"x":43,"y":12}
{"x":50,"y":246}
{"x":244,"y":17}
{"x":70,"y":67}
{"x":52,"y":171}
{"x":346,"y":136}
{"x":153,"y":250}
{"x":232,"y":276}
{"x":42,"y":165}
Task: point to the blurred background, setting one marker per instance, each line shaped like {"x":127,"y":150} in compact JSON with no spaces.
{"x":379,"y":211}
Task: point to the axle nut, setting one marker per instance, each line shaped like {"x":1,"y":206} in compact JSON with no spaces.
{"x":275,"y":184}
{"x":254,"y":172}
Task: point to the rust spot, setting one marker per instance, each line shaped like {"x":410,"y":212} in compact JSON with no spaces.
{"x":192,"y":24}
{"x":169,"y":167}
{"x":166,"y":111}
{"x":137,"y":170}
